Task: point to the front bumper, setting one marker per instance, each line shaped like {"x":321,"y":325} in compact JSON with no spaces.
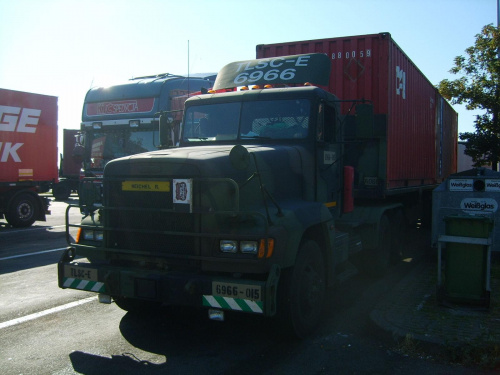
{"x":169,"y":287}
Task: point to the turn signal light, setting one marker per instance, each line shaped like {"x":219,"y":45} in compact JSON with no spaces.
{"x":262,"y":248}
{"x":78,"y":235}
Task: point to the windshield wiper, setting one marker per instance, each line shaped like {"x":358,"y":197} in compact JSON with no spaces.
{"x":254,"y":137}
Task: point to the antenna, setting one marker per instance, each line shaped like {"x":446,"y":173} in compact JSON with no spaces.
{"x":188,"y":68}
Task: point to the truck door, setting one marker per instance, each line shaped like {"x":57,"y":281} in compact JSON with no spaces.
{"x":328,"y":158}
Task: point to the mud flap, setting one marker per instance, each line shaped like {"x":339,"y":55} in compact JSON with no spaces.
{"x":272,"y":290}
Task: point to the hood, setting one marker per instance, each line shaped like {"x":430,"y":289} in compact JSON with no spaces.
{"x":282,"y":168}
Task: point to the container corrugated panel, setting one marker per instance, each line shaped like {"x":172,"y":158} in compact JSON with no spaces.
{"x":373,"y":67}
{"x":28,"y":137}
{"x":446,"y":144}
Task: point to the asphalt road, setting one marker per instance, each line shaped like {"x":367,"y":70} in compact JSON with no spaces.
{"x":47,"y":330}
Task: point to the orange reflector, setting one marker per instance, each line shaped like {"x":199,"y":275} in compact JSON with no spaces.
{"x":270,"y":247}
{"x":262,"y":247}
{"x":78,"y":234}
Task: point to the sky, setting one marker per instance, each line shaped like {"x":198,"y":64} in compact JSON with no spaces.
{"x":65,"y":47}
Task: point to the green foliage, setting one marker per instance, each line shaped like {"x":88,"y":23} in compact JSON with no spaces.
{"x":479,"y":89}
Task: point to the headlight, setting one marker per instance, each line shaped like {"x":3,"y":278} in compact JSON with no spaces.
{"x":92,"y":235}
{"x":249,"y":247}
{"x":228,"y":246}
{"x":98,"y":235}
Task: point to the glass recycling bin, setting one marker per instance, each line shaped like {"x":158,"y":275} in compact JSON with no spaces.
{"x":466,"y":260}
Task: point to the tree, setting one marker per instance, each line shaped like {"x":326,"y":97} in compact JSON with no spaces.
{"x":479,"y":88}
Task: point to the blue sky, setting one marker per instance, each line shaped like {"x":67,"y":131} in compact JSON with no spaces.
{"x":64,"y":47}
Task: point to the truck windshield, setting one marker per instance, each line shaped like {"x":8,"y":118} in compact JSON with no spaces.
{"x":109,"y":145}
{"x":271,"y":119}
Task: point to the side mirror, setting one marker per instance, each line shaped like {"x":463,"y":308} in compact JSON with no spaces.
{"x":165,"y":130}
{"x":78,"y":154}
{"x":80,"y":138}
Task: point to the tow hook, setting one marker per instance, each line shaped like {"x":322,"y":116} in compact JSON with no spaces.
{"x":68,"y":255}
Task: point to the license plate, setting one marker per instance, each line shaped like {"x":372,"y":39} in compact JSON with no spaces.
{"x":241,"y":291}
{"x":81,"y":273}
{"x":371,"y":181}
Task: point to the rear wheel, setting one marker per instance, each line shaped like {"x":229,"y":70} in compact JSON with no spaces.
{"x":22,"y":211}
{"x":379,"y":259}
{"x":398,"y":236}
{"x":302,"y":291}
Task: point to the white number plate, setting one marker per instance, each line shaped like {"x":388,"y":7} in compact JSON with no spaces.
{"x":82,"y":273}
{"x":242,"y":291}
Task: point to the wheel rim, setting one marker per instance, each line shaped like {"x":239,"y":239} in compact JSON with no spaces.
{"x":24,"y":210}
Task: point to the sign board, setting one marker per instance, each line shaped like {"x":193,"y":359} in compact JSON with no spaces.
{"x":312,"y":67}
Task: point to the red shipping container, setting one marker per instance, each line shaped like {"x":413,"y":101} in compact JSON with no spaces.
{"x":421,"y":127}
{"x":28,"y":137}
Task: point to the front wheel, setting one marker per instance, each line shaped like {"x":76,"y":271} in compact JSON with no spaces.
{"x":302,"y":291}
{"x":22,"y":211}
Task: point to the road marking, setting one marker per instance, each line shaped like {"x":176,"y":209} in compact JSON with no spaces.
{"x":36,"y":253}
{"x":32,"y":229}
{"x":46,"y":312}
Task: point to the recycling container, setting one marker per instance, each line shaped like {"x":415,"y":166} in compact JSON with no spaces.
{"x":466,"y":273}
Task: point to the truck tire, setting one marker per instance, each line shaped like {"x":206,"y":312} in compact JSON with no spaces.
{"x":379,"y":259}
{"x":302,"y":292}
{"x":61,"y":191}
{"x":398,"y":236}
{"x":22,"y":211}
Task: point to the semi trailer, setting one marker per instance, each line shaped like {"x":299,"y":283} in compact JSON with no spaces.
{"x":28,"y":155}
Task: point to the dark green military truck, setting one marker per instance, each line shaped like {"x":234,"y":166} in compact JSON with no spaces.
{"x":255,"y":211}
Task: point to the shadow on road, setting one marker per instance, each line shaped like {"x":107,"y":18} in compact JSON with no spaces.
{"x":188,"y":343}
{"x":89,"y":364}
{"x":184,"y":341}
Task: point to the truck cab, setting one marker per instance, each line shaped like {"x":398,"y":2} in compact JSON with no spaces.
{"x":122,"y":120}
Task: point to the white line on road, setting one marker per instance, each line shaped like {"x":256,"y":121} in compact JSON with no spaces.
{"x":46,"y":312}
{"x":36,"y":253}
{"x":32,"y":229}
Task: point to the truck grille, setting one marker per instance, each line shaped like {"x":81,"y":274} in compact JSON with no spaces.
{"x":145,"y":221}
